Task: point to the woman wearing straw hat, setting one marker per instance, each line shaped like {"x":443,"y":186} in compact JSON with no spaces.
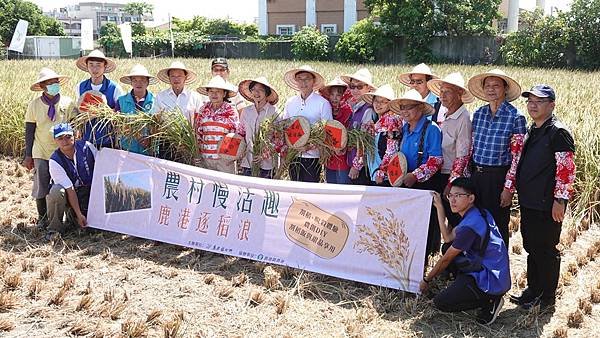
{"x":417,"y":79}
{"x":498,"y":132}
{"x":265,"y":98}
{"x":216,"y":119}
{"x":139,"y":99}
{"x":422,"y":145}
{"x":359,"y":83}
{"x":97,"y":65}
{"x":388,"y":133}
{"x":456,"y":132}
{"x":312,"y":106}
{"x":178,"y":96}
{"x":43,"y":113}
{"x":338,"y":95}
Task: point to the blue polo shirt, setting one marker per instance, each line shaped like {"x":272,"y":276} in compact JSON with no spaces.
{"x":432,"y":144}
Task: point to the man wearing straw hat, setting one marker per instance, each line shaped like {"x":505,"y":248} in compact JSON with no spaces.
{"x":417,"y":79}
{"x":456,"y":133}
{"x":545,"y":178}
{"x":178,"y":96}
{"x":97,"y":65}
{"x":498,"y":132}
{"x":139,"y":99}
{"x":312,"y":106}
{"x":363,"y":115}
{"x":265,"y":98}
{"x":42,"y":114}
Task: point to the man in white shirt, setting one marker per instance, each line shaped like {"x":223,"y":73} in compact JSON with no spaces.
{"x":313,"y":107}
{"x":178,"y":96}
{"x":220,"y":66}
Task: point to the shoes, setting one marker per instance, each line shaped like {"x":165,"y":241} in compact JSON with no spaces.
{"x":42,"y":223}
{"x":52,"y":236}
{"x":543,"y":302}
{"x":527,"y":296}
{"x":489,"y":313}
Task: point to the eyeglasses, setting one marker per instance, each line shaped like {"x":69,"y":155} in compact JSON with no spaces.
{"x":358,"y":86}
{"x":460,"y":194}
{"x":407,"y":106}
{"x":416,"y":82}
{"x":537,"y":102}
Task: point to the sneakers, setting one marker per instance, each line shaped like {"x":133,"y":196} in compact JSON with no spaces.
{"x":52,"y":236}
{"x":544,"y":303}
{"x":526,"y":297}
{"x":489,"y":313}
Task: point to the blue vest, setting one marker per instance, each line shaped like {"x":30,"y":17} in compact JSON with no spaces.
{"x":128,"y":106}
{"x":494,"y":278}
{"x":82,"y":174}
{"x":100,"y":137}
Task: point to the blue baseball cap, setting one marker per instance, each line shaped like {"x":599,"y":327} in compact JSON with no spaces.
{"x":62,"y":129}
{"x":540,"y":90}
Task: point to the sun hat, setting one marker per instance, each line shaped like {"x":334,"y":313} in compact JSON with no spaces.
{"x":541,"y":90}
{"x":244,"y":89}
{"x":219,"y":83}
{"x":231,"y":147}
{"x":337,"y":82}
{"x":61,"y":129}
{"x":290,"y":77}
{"x":363,"y":75}
{"x":45,"y":75}
{"x":421,"y":68}
{"x":163,"y":74}
{"x":454,"y":79}
{"x":297,"y":132}
{"x":385,"y":91}
{"x":411,"y":97}
{"x":82,"y":61}
{"x":138,"y":70}
{"x":397,"y":169}
{"x":476,"y":85}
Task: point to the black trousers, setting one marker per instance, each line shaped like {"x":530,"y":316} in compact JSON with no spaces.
{"x":541,"y":235}
{"x":363,"y":178}
{"x":463,"y":294}
{"x":434,"y":237}
{"x":453,"y":219}
{"x":305,"y":170}
{"x":489,"y":184}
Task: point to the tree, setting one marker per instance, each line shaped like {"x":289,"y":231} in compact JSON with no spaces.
{"x":584,"y":26}
{"x":139,"y":9}
{"x":361,"y":42}
{"x":205,"y":26}
{"x":310,"y":44}
{"x":13,"y":10}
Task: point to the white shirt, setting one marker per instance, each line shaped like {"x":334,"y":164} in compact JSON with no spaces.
{"x":250,"y":119}
{"x":315,"y":108}
{"x":118,"y":90}
{"x":188,"y":101}
{"x":58,"y":173}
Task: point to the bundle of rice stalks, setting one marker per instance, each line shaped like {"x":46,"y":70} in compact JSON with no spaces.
{"x":363,"y":141}
{"x":176,"y":136}
{"x":268,"y":142}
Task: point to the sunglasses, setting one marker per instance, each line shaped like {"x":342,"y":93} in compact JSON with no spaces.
{"x":416,"y":82}
{"x":407,"y":106}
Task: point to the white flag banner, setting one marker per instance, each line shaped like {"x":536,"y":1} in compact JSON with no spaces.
{"x":18,"y":40}
{"x":373,"y":235}
{"x":126,"y":36}
{"x":87,"y":34}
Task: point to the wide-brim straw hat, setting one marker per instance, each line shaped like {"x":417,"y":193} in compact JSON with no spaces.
{"x":219,"y":83}
{"x":244,"y":89}
{"x":45,"y":75}
{"x":363,"y":75}
{"x":190,"y":76}
{"x":82,"y":61}
{"x":421,"y":68}
{"x":385,"y":91}
{"x":454,"y":79}
{"x":475,"y":85}
{"x":138,"y":70}
{"x":411,"y":97}
{"x":290,"y":77}
{"x":337,"y":82}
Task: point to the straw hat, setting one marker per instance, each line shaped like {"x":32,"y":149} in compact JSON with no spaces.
{"x":363,"y":75}
{"x":47,"y":74}
{"x":454,"y":79}
{"x":138,"y":70}
{"x":82,"y":61}
{"x":244,"y":89}
{"x":290,"y":77}
{"x":476,"y":85}
{"x":421,"y":68}
{"x":397,"y":169}
{"x":219,"y":83}
{"x":163,"y":74}
{"x":337,"y":82}
{"x":385,"y":91}
{"x":411,"y":97}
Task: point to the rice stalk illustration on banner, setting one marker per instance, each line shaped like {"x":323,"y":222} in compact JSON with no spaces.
{"x":387,"y":240}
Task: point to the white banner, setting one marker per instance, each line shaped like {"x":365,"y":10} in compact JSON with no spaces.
{"x":87,"y":34}
{"x":126,"y":36}
{"x":18,"y":40}
{"x":373,"y":235}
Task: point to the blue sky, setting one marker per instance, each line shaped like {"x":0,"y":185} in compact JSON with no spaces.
{"x":137,"y":179}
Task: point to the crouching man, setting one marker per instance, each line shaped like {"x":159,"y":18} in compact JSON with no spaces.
{"x":71,"y":169}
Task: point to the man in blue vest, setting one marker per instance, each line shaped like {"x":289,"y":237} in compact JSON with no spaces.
{"x":71,"y":169}
{"x":97,"y":65}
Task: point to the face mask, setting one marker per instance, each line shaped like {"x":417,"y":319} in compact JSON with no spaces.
{"x":53,"y":89}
